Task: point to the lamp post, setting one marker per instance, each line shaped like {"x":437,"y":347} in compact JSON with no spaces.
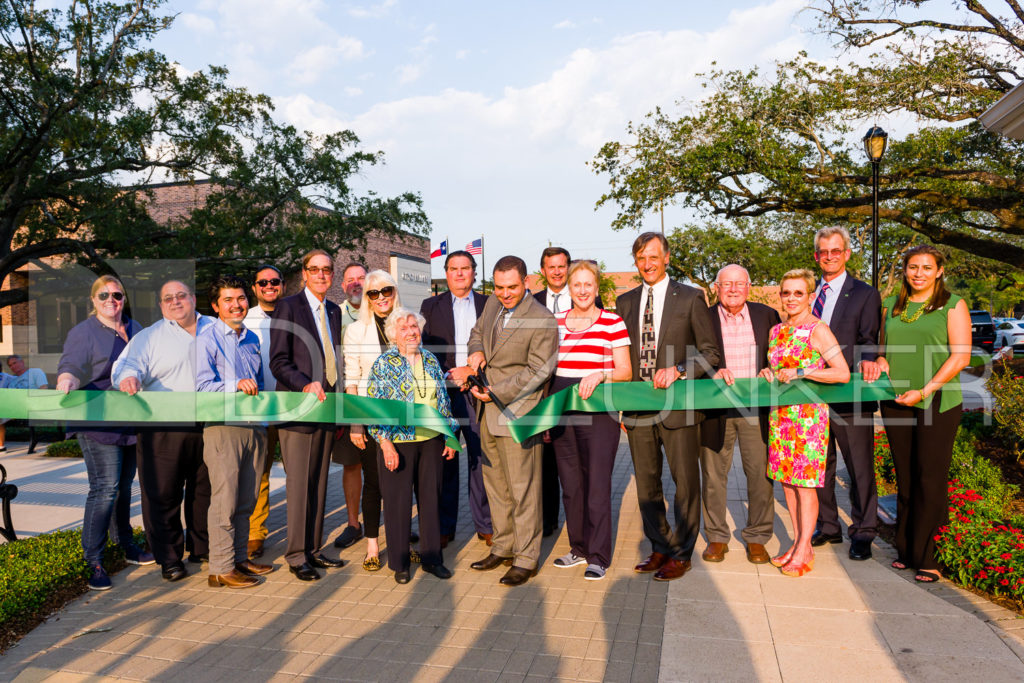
{"x":874,"y":146}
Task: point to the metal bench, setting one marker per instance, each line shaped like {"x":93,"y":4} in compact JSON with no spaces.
{"x":8,"y":492}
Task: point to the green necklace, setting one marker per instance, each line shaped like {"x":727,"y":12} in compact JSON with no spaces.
{"x":913,"y":318}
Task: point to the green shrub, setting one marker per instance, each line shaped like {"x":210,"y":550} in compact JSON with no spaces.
{"x":976,"y":473}
{"x":64,"y":449}
{"x":1007,"y":387}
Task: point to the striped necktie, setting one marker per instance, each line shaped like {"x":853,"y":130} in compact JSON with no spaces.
{"x":819,"y":303}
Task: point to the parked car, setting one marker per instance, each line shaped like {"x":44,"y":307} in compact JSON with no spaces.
{"x":983,"y":330}
{"x":1010,"y":333}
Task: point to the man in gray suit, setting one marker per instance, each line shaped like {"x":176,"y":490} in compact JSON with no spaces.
{"x":516,"y":340}
{"x":671,"y":338}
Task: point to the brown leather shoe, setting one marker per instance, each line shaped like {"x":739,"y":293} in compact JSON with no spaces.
{"x":756,"y":554}
{"x":672,"y":569}
{"x":653,"y":563}
{"x":715,"y":552}
{"x":233,"y":579}
{"x":252,"y":569}
{"x":486,"y":538}
{"x":255,"y":548}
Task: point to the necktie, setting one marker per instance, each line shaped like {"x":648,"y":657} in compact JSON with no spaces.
{"x":330,"y":361}
{"x":647,"y":348}
{"x":819,"y":303}
{"x":555,"y":304}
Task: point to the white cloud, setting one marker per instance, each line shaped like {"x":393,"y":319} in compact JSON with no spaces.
{"x":197,"y":22}
{"x":565,"y":23}
{"x":372,"y":11}
{"x":409,"y":73}
{"x":310,"y":65}
{"x":353,"y":92}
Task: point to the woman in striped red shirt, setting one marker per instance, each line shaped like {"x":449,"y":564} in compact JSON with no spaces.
{"x":593,"y":348}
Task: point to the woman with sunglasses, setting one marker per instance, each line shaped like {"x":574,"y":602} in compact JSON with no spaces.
{"x":90,"y":350}
{"x":365,"y":341}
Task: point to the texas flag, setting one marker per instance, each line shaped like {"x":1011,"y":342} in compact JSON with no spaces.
{"x":441,"y":250}
{"x":476,"y":247}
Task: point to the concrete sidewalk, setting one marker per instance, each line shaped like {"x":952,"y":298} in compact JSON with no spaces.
{"x":729,"y":621}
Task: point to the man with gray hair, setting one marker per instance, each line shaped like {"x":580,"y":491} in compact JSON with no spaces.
{"x":741,"y":328}
{"x":21,"y":377}
{"x":852,"y":309}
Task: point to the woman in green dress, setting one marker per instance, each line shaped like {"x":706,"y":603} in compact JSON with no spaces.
{"x":926,"y":343}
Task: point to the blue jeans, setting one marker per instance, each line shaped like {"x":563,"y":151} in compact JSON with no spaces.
{"x":111,"y":470}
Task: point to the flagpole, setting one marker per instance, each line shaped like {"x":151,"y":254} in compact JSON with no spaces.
{"x":483,"y":267}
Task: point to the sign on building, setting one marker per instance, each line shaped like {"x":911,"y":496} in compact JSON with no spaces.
{"x":413,"y":278}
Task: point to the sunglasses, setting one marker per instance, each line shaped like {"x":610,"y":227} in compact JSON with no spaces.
{"x":171,"y":298}
{"x":326,"y":270}
{"x":386,"y":291}
{"x":834,"y":253}
{"x":272,"y":282}
{"x":103,"y":296}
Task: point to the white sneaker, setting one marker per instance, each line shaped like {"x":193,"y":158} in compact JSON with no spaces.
{"x":595,"y":572}
{"x":569,"y":560}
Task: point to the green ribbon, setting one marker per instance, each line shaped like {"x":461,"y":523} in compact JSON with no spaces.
{"x":700,"y":394}
{"x":177,"y":407}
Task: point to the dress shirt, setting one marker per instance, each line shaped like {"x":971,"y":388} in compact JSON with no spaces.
{"x":739,"y":346}
{"x":258,"y":321}
{"x":564,"y":302}
{"x":660,"y":290}
{"x":162,"y":357}
{"x":349,"y":314}
{"x":314,"y":305}
{"x":464,"y":313}
{"x":224,"y":357}
{"x":831,"y":296}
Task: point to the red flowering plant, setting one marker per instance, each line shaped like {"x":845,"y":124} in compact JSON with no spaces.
{"x":978,"y":547}
{"x":885,"y":470}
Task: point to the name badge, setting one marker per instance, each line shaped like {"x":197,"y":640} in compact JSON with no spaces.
{"x":803,"y":333}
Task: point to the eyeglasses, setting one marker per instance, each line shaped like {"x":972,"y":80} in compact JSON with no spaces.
{"x":739,"y":284}
{"x":326,"y":270}
{"x":171,"y":298}
{"x":388,"y":292}
{"x":272,"y":282}
{"x":103,"y":296}
{"x":834,"y":253}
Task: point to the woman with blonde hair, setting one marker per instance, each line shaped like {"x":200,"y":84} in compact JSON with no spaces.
{"x":365,"y":340}
{"x":801,"y":346}
{"x":90,"y":350}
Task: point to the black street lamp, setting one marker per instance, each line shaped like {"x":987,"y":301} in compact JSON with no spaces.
{"x":874,"y":146}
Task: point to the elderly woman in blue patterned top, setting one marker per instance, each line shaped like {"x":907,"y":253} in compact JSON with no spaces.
{"x":408,"y":372}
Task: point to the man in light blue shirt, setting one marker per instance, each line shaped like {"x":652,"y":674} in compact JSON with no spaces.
{"x":162,"y":358}
{"x":228,"y":360}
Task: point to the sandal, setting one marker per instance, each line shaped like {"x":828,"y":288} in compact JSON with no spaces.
{"x":896,"y":564}
{"x":371,"y":564}
{"x":924,"y":576}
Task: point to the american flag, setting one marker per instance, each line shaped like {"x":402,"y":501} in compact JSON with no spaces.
{"x":476,"y":247}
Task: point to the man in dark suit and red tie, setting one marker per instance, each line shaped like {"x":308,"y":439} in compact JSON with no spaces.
{"x":450,"y":318}
{"x":304,"y":339}
{"x":741,"y":328}
{"x":853,"y":311}
{"x":671,"y":338}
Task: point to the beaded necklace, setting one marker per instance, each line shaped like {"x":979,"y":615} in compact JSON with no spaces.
{"x":415,"y":381}
{"x":913,"y":318}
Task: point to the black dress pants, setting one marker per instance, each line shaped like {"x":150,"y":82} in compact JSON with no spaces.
{"x":853,"y":432}
{"x":419,"y":464}
{"x":171,"y":470}
{"x":922,"y":448}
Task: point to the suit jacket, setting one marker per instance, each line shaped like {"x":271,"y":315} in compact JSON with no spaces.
{"x":762,"y":319}
{"x":855,"y":323}
{"x":296,"y":353}
{"x":542,"y":297}
{"x":439,"y":331}
{"x":686,"y":337}
{"x":520,"y":358}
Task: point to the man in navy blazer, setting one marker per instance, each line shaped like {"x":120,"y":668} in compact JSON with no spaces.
{"x":853,"y":310}
{"x":305,"y":334}
{"x":741,"y":328}
{"x":672,"y":320}
{"x":450,"y":318}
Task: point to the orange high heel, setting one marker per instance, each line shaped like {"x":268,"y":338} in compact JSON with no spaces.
{"x":798,"y":570}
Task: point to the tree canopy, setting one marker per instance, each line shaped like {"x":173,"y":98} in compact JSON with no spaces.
{"x":789,"y":145}
{"x":90,"y":115}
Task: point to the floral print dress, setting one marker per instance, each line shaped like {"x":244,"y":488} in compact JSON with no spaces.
{"x":798,"y":435}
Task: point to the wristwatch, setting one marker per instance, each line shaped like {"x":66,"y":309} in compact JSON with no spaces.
{"x":681,"y":369}
{"x":800,"y":372}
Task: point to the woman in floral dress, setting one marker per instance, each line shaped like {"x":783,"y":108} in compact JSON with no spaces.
{"x":800,"y":347}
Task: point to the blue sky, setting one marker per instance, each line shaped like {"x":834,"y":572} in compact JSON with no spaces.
{"x":489,"y":110}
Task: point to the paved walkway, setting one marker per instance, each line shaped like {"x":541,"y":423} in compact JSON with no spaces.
{"x":730,"y":621}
